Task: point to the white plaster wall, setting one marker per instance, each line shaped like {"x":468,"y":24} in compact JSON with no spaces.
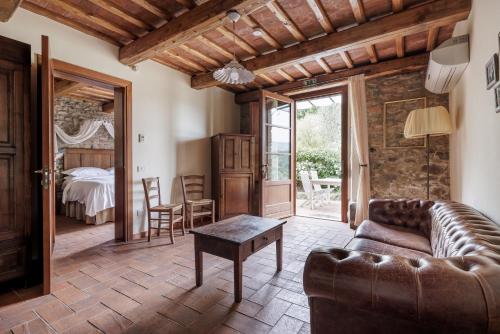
{"x":176,"y":120}
{"x":475,"y":146}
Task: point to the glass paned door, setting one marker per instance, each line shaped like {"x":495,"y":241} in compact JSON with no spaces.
{"x":278,"y":120}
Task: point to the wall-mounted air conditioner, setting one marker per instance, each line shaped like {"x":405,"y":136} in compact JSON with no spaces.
{"x":447,"y":63}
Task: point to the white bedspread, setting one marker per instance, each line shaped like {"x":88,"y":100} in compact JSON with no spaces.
{"x":96,"y":192}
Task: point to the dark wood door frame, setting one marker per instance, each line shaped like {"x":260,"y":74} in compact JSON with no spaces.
{"x":342,"y":90}
{"x":123,"y":138}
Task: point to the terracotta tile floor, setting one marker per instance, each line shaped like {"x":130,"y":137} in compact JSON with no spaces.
{"x":103,"y":286}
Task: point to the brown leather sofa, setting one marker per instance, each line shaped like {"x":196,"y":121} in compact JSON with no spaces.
{"x":413,"y":267}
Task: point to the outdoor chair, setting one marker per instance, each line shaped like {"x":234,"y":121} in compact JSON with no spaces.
{"x":313,"y":196}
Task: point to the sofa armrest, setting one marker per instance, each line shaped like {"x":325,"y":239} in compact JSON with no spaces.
{"x":449,"y":292}
{"x":412,"y":213}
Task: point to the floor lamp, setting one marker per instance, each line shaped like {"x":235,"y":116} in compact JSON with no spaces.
{"x":423,"y":123}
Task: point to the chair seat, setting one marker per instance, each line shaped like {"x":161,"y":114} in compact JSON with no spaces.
{"x":201,"y":213}
{"x":203,"y":201}
{"x":166,"y":207}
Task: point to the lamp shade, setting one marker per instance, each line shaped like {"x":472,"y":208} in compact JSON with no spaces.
{"x":433,"y":121}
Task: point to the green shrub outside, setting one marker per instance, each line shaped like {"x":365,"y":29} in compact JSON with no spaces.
{"x":325,"y":162}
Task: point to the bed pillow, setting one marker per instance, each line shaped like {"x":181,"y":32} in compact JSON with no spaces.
{"x":86,"y":171}
{"x":111,"y":170}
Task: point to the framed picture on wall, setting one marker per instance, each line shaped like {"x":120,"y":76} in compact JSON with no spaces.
{"x":497,"y":98}
{"x":492,"y":71}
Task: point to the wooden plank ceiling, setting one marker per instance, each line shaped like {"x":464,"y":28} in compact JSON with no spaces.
{"x":80,"y":91}
{"x":299,"y":39}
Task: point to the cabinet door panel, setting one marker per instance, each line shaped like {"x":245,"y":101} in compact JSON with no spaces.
{"x":229,"y":151}
{"x":236,"y":190}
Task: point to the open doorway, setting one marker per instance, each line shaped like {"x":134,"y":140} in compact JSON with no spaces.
{"x":84,"y":118}
{"x":321,"y":154}
{"x":111,"y":93}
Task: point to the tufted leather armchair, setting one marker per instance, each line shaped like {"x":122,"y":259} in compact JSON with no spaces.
{"x":413,"y":267}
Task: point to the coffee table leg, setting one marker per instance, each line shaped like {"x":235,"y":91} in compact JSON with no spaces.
{"x":198,"y":262}
{"x":238,"y":280}
{"x":279,"y":254}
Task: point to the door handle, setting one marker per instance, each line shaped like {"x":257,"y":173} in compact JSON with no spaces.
{"x":264,"y":172}
{"x":46,"y":177}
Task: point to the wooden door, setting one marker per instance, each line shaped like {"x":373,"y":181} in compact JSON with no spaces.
{"x":15,"y":143}
{"x":277,"y":155}
{"x":47,"y":169}
{"x":236,"y":194}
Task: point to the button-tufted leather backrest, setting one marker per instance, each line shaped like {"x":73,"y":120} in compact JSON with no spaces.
{"x":404,"y":213}
{"x":459,"y":230}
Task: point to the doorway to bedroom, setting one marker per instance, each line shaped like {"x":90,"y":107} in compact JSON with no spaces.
{"x":84,"y":151}
{"x":86,"y":142}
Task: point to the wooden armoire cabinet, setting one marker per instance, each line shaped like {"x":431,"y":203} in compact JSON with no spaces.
{"x":233,"y":163}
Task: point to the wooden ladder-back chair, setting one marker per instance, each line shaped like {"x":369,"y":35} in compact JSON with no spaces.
{"x":166,"y":213}
{"x":193,"y":190}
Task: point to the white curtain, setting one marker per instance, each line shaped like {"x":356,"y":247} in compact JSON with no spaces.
{"x":357,"y":108}
{"x":87,"y":130}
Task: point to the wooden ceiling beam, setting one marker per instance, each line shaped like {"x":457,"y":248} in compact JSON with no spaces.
{"x":372,"y":54}
{"x":358,"y":11}
{"x":92,"y":20}
{"x":390,"y":67}
{"x":266,"y":36}
{"x":285,"y":75}
{"x":70,"y":23}
{"x":432,"y":38}
{"x":397,"y":6}
{"x":268,"y":79}
{"x":161,"y":59}
{"x":400,"y":46}
{"x":185,"y":27}
{"x":84,"y":96}
{"x":215,"y":46}
{"x":155,"y":10}
{"x":346,"y":59}
{"x":7,"y":9}
{"x":111,"y":7}
{"x":321,"y":15}
{"x":238,"y":40}
{"x":185,"y":61}
{"x":189,"y":4}
{"x":407,"y":22}
{"x":65,"y":87}
{"x":303,"y":70}
{"x":108,"y":107}
{"x":281,"y":15}
{"x":324,"y":65}
{"x":201,"y":56}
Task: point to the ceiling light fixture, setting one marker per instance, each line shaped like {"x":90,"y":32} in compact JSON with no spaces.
{"x":257,"y":32}
{"x":233,"y":73}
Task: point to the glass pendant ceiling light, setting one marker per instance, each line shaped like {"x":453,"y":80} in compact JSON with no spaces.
{"x":234,"y":73}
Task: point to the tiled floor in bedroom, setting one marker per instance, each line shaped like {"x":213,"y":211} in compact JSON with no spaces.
{"x":102,"y":286}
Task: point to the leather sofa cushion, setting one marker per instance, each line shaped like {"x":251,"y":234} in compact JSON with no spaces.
{"x":377,"y":247}
{"x":405,"y":237}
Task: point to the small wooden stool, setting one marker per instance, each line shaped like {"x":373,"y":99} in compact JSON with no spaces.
{"x":167,"y":213}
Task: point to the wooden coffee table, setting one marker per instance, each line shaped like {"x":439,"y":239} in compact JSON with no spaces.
{"x":236,"y":239}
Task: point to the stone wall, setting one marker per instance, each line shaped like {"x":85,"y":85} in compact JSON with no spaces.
{"x":69,"y":114}
{"x":402,"y":172}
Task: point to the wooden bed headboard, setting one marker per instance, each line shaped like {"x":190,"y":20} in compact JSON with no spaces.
{"x":87,"y":157}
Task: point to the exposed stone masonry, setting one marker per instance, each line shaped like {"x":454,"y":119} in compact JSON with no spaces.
{"x":402,"y":172}
{"x":69,"y":114}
